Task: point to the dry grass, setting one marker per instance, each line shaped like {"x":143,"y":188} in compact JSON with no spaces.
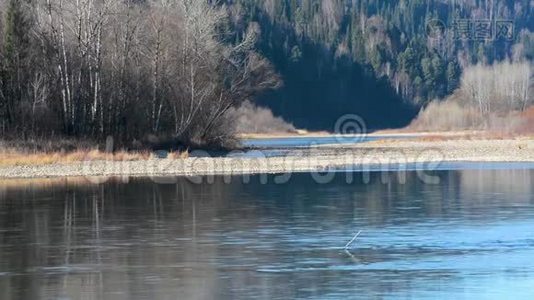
{"x":10,"y":157}
{"x":254,"y":119}
{"x":446,"y":116}
{"x":527,"y":124}
{"x":178,"y":155}
{"x":483,"y":135}
{"x":40,"y":151}
{"x":449,"y":116}
{"x":435,"y":138}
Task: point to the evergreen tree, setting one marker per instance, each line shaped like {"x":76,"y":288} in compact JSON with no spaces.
{"x":15,"y":52}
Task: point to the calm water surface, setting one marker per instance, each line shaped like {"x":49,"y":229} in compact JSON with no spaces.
{"x":306,"y":141}
{"x":470,"y":236}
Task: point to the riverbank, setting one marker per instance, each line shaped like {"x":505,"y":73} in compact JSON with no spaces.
{"x":380,"y":153}
{"x":376,"y":134}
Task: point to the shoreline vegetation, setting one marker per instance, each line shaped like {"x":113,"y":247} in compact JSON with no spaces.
{"x":93,"y":89}
{"x":173,"y":71}
{"x":419,"y":148}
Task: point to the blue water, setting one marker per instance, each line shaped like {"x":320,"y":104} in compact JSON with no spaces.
{"x":301,"y":142}
{"x":468,"y":236}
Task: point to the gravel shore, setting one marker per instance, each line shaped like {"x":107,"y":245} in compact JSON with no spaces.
{"x":382,"y":154}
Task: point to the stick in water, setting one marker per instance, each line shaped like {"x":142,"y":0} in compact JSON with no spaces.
{"x":353,"y":239}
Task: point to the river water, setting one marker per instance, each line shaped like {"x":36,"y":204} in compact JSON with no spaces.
{"x":470,"y":235}
{"x":306,"y":141}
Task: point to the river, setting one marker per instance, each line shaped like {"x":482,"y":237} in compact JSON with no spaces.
{"x":468,"y":235}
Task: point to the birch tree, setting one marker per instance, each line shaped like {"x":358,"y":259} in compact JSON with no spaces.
{"x":502,"y":87}
{"x":128,"y":69}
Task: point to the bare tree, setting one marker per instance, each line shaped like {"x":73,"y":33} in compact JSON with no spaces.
{"x":128,"y":69}
{"x":502,"y":87}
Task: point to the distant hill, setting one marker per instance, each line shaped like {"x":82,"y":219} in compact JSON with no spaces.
{"x":378,"y":58}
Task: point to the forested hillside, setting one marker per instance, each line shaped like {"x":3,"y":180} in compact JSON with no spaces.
{"x":176,"y":68}
{"x":373,"y":56}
